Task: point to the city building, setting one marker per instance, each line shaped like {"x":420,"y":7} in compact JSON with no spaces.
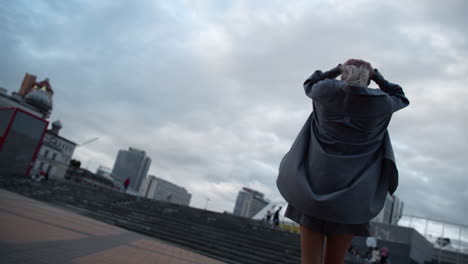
{"x":33,"y":97}
{"x":391,"y":212}
{"x":16,"y":101}
{"x":21,"y":134}
{"x":23,"y":124}
{"x":133,"y":164}
{"x":26,"y":85}
{"x":55,"y":153}
{"x":104,"y":172}
{"x":85,"y":177}
{"x":162,"y":190}
{"x":249,"y":202}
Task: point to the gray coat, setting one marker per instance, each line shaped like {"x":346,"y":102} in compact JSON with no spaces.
{"x":341,"y":165}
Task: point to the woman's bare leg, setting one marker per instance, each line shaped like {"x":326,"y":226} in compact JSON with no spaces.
{"x":311,"y":246}
{"x":336,"y":248}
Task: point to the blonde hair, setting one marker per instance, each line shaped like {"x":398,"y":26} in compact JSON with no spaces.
{"x":355,"y":75}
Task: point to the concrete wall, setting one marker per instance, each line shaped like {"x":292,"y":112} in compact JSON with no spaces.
{"x":405,"y":244}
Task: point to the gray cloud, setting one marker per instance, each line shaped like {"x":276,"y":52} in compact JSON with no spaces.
{"x":213,"y":90}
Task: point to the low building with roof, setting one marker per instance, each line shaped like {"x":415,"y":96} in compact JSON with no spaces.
{"x":86,"y":177}
{"x":159,"y":189}
{"x":55,"y":153}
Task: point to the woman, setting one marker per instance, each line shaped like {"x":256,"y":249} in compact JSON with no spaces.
{"x":337,"y":173}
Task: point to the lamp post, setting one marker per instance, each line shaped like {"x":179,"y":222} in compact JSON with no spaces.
{"x":86,"y":143}
{"x":206,"y":205}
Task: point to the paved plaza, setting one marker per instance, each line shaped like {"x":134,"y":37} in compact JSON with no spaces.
{"x":35,"y":232}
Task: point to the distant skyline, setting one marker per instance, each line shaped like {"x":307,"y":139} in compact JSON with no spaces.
{"x":212,"y":90}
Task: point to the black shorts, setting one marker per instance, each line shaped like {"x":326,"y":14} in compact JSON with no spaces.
{"x":326,"y":228}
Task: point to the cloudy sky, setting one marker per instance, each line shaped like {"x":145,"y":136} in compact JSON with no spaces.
{"x":212,"y":90}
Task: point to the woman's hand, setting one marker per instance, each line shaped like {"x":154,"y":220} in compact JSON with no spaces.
{"x":333,"y":73}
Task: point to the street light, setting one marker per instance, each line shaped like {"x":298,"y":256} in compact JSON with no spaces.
{"x":85,"y":143}
{"x":206,"y":205}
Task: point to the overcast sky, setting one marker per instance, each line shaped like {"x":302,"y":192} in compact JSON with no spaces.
{"x":212,"y":90}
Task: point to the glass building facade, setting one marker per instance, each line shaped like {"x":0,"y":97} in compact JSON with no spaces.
{"x":21,"y":134}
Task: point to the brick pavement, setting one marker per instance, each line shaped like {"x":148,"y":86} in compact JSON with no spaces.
{"x":35,"y":232}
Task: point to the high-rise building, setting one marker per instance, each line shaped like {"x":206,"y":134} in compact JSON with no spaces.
{"x":391,"y":212}
{"x":249,"y":202}
{"x":132,"y":164}
{"x":162,"y":190}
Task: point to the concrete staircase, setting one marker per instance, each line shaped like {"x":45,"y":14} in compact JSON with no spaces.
{"x":222,"y":236}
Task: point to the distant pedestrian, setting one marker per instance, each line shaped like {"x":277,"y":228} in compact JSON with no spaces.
{"x":371,"y":243}
{"x":268,"y":216}
{"x":125,"y":185}
{"x":384,"y":256}
{"x":375,"y":256}
{"x":276,"y":217}
{"x":353,"y":250}
{"x":41,"y":176}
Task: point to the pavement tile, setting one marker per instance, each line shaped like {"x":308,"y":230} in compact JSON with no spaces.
{"x":58,"y":217}
{"x":15,"y":229}
{"x":34,"y":232}
{"x":156,"y":246}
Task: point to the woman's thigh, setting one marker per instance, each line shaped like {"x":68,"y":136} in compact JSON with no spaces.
{"x":337,"y":247}
{"x":311,"y":246}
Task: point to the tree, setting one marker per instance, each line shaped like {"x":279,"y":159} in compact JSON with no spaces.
{"x":75,"y":163}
